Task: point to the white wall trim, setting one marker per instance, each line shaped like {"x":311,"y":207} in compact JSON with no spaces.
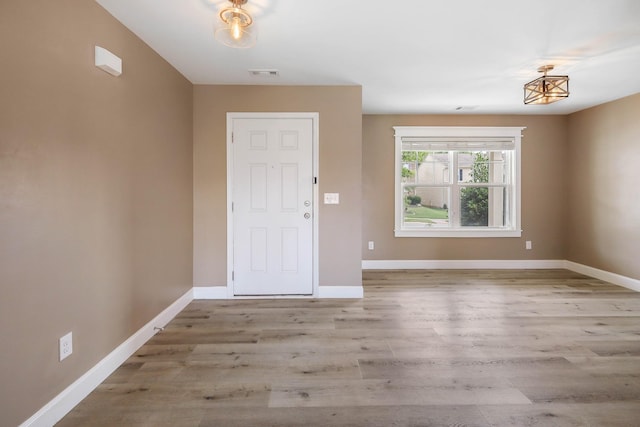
{"x":340,"y":292}
{"x":315,"y":119}
{"x":460,"y":264}
{"x":64,"y":402}
{"x":210,"y":292}
{"x":445,"y":133}
{"x":607,"y":276}
{"x":219,"y":292}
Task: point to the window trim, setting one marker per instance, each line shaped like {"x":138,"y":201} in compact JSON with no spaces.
{"x":457,"y":132}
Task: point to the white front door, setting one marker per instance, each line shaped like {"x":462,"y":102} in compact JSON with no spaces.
{"x":272,"y":201}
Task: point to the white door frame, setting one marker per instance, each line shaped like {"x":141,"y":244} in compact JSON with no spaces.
{"x":315,"y":138}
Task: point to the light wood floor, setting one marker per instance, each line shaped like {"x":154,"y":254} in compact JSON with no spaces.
{"x":423,"y":348}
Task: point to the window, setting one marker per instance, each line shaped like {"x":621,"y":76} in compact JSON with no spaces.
{"x":457,"y":181}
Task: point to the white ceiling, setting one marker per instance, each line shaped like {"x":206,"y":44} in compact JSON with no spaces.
{"x":409,"y":56}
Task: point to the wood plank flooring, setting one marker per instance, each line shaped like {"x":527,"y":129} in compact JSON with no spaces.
{"x":423,"y":348}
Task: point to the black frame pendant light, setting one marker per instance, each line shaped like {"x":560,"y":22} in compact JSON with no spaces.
{"x":546,"y":89}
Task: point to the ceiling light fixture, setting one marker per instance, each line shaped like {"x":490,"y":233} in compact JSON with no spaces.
{"x":546,"y":89}
{"x":234,"y":28}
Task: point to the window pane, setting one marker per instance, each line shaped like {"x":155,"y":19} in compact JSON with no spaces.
{"x":474,"y":206}
{"x":483,"y":206}
{"x":482,"y":167}
{"x":425,"y":167}
{"x":425,"y":207}
{"x":498,"y":207}
{"x":465,"y":166}
{"x":410,"y":164}
{"x":498,"y":171}
{"x":409,"y":172}
{"x":434,"y":169}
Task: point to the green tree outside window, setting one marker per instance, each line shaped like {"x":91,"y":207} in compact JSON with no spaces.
{"x":474,"y":201}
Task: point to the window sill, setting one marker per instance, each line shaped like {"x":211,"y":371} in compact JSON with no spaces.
{"x":458,"y":233}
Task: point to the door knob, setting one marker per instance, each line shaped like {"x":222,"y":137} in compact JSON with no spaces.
{"x":307,"y":215}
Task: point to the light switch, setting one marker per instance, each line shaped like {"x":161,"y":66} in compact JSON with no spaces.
{"x":331,"y":198}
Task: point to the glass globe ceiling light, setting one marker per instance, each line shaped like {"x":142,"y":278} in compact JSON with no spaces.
{"x":234,"y":28}
{"x":546,"y":89}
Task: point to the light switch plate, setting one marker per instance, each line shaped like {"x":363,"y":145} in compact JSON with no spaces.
{"x":331,"y":198}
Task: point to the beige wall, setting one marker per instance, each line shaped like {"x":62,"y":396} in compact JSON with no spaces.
{"x":340,"y":172}
{"x":604,"y":179}
{"x":544,"y":193}
{"x":95,"y":194}
{"x":113,"y":190}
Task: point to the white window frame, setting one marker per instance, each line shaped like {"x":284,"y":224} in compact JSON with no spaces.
{"x":462,"y":132}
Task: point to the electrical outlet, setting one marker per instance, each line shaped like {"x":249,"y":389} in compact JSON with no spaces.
{"x":527,"y":245}
{"x":66,"y":346}
{"x":371,"y":245}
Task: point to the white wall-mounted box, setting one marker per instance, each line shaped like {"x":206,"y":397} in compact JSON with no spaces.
{"x":108,"y":62}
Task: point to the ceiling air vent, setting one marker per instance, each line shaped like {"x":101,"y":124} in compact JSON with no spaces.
{"x":263,"y":72}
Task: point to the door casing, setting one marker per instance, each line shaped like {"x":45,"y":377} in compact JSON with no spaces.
{"x":314,"y":116}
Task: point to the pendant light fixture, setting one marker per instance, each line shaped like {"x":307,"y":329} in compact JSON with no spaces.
{"x":546,"y":89}
{"x":234,"y":28}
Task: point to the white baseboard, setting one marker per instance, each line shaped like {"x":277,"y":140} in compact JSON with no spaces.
{"x":340,"y":292}
{"x":64,"y":402}
{"x":220,"y":292}
{"x":210,"y":292}
{"x":460,"y":264}
{"x":607,"y":276}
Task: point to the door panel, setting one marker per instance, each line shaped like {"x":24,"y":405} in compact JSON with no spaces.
{"x":272,"y":196}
